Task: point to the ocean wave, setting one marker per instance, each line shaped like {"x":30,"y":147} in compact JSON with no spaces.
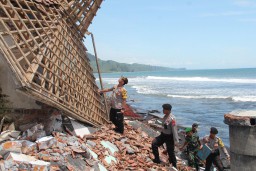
{"x":204,"y":79}
{"x":145,"y":90}
{"x":245,"y":99}
{"x":236,"y":99}
{"x":199,"y":97}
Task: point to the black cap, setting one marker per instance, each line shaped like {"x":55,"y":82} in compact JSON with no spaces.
{"x":167,"y":106}
{"x":214,"y":130}
{"x":195,"y":125}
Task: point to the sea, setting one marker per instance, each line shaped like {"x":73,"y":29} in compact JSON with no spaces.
{"x":197,"y":96}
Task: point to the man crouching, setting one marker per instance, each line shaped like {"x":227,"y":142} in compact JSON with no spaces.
{"x":168,"y":135}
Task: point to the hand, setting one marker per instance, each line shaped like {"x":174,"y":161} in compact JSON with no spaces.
{"x":181,"y":149}
{"x":201,"y":146}
{"x":99,"y":91}
{"x":228,"y":158}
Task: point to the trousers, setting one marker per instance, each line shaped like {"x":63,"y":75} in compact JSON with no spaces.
{"x":117,"y":118}
{"x":168,"y":140}
{"x":215,"y":159}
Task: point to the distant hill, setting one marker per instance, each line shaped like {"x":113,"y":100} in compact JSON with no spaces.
{"x":113,"y":66}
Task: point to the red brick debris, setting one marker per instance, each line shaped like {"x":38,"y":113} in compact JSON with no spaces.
{"x":130,"y":112}
{"x":103,"y":150}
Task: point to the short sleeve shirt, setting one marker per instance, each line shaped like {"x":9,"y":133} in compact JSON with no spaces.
{"x":168,"y":123}
{"x":118,"y":95}
{"x":213,"y":143}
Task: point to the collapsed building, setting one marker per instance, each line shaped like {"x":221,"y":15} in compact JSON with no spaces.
{"x":43,"y":59}
{"x":44,"y":68}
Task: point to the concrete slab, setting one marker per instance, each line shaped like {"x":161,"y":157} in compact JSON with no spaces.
{"x":7,"y":135}
{"x":46,"y":142}
{"x":110,"y":159}
{"x":22,"y":158}
{"x":111,"y":147}
{"x":82,"y":130}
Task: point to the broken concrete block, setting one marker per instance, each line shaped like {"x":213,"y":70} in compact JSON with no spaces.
{"x":34,"y":133}
{"x":46,"y":142}
{"x":10,"y":146}
{"x":109,"y":159}
{"x":81,"y":130}
{"x":8,"y":135}
{"x":53,"y":123}
{"x":28,"y":147}
{"x":77,"y":149}
{"x":22,"y":158}
{"x":73,"y":141}
{"x":91,"y":143}
{"x":92,"y":154}
{"x":111,"y":147}
{"x":129,"y":149}
{"x":77,"y":163}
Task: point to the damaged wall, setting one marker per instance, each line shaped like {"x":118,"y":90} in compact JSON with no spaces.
{"x":42,"y":44}
{"x":9,"y":86}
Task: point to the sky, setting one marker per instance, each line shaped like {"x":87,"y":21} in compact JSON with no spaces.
{"x":192,"y":34}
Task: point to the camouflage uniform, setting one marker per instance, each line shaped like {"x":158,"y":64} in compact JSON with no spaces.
{"x":192,"y":148}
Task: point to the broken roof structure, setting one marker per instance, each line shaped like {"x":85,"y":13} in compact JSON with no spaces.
{"x":42,"y":42}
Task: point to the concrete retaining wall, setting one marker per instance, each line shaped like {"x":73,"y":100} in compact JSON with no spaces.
{"x":242,"y":134}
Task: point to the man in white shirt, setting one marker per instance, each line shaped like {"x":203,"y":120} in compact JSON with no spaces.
{"x":215,"y":143}
{"x":168,"y":136}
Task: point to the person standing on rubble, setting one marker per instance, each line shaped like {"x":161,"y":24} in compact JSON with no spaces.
{"x":215,"y":144}
{"x":193,"y":145}
{"x":168,"y":135}
{"x":118,"y":103}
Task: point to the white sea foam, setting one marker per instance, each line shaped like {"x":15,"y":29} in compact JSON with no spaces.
{"x":204,"y":79}
{"x":145,"y":90}
{"x":245,"y":99}
{"x":236,"y":99}
{"x":199,"y":97}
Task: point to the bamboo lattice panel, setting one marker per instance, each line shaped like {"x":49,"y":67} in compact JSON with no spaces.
{"x":41,"y":41}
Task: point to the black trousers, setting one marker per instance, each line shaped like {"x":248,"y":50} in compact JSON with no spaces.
{"x":215,"y":159}
{"x":168,"y":140}
{"x":117,"y":118}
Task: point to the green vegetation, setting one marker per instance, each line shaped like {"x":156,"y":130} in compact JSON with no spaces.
{"x":112,"y":66}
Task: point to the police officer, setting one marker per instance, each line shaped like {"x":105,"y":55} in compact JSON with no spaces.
{"x":168,"y":136}
{"x":215,"y":144}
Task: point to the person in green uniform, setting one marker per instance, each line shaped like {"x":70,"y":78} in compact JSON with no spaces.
{"x":193,"y":145}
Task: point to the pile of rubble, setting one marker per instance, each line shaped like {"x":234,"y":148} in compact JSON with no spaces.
{"x":76,"y":150}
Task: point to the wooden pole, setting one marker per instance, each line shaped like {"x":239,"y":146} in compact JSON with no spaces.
{"x":99,"y":72}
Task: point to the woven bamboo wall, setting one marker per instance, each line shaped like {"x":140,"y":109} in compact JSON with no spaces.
{"x":42,"y":43}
